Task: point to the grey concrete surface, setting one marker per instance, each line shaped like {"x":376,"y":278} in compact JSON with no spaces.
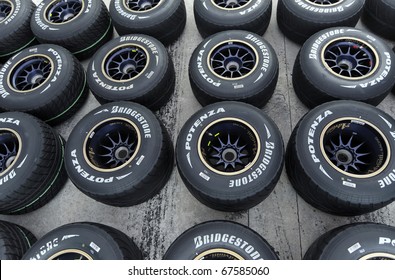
{"x":285,"y":220}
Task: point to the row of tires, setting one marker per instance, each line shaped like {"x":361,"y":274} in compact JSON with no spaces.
{"x":82,"y":26}
{"x":48,"y":82}
{"x":215,"y":240}
{"x":230,"y":156}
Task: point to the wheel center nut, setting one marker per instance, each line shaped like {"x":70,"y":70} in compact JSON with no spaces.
{"x":344,"y":156}
{"x":346,"y":64}
{"x":229,"y":155}
{"x":9,"y":161}
{"x":121,"y":153}
{"x":233,"y":66}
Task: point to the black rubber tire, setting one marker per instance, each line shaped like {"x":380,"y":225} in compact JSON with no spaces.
{"x":331,"y":189}
{"x":165,"y":22}
{"x":354,"y":242}
{"x":14,"y":241}
{"x":15,"y":32}
{"x":379,"y":17}
{"x":152,"y":88}
{"x":37,"y":174}
{"x":256,"y":87}
{"x":151,"y":165}
{"x":253,"y":16}
{"x":58,"y":97}
{"x":82,"y":36}
{"x":300,"y":19}
{"x":315,"y":84}
{"x":226,"y":241}
{"x":95,"y":241}
{"x":237,"y":190}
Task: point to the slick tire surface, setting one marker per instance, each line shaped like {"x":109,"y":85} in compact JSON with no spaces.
{"x":226,"y":187}
{"x":359,"y":241}
{"x":316,"y":81}
{"x":14,"y":241}
{"x":211,"y":18}
{"x":88,"y":241}
{"x":164,"y":21}
{"x":220,"y":240}
{"x":153,"y":84}
{"x":300,"y":19}
{"x":82,"y":34}
{"x":320,"y":158}
{"x":256,"y":86}
{"x":145,"y":168}
{"x":15,"y":32}
{"x":379,"y":17}
{"x":37,"y":172}
{"x":54,"y":97}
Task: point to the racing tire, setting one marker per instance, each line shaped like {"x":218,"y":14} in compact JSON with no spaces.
{"x":125,"y":156}
{"x":343,"y":63}
{"x":134,"y":68}
{"x":379,"y":17}
{"x":236,"y":66}
{"x":339,"y":158}
{"x":84,"y":241}
{"x":230,"y":156}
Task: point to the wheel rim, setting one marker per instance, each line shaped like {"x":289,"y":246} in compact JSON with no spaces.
{"x":219,"y":254}
{"x":230,"y":4}
{"x":126,"y":63}
{"x":62,"y":11}
{"x":9,"y":149}
{"x":355,"y":147}
{"x":350,"y":59}
{"x":71,"y":255}
{"x":232,"y":60}
{"x":30,"y":73}
{"x":6,"y":9}
{"x":142,"y":5}
{"x":325,"y":2}
{"x":112,"y":145}
{"x":379,"y":257}
{"x":229,"y":146}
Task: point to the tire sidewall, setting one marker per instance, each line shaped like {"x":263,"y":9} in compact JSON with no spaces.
{"x":230,"y":17}
{"x":257,"y":177}
{"x":374,"y":85}
{"x":322,"y":173}
{"x":138,"y":87}
{"x":84,"y":237}
{"x":226,"y":235}
{"x":248,"y":86}
{"x":53,"y":86}
{"x":87,"y":178}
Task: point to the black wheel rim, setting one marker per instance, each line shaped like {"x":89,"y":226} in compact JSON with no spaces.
{"x":31,"y":73}
{"x":126,"y":63}
{"x":325,"y":2}
{"x":142,"y":5}
{"x":355,"y":147}
{"x":228,"y":146}
{"x":231,"y":4}
{"x":350,"y":58}
{"x":233,"y":60}
{"x":219,"y":256}
{"x":113,"y":145}
{"x":5,"y":10}
{"x":9,"y":147}
{"x":71,"y":256}
{"x":62,"y":11}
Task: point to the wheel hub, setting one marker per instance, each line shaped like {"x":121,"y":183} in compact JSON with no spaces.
{"x":64,"y":10}
{"x":142,"y":5}
{"x":231,"y":4}
{"x":325,"y":2}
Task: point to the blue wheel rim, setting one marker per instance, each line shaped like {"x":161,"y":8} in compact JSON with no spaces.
{"x":350,"y":59}
{"x":5,"y":10}
{"x":228,"y":146}
{"x":233,"y":60}
{"x":325,"y":2}
{"x":354,"y":148}
{"x":141,"y":5}
{"x":64,"y":10}
{"x":114,"y":143}
{"x":9,"y":146}
{"x":31,"y":73}
{"x":126,"y":63}
{"x":231,"y":4}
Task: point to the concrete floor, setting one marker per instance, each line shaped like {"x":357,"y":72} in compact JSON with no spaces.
{"x":285,"y":220}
